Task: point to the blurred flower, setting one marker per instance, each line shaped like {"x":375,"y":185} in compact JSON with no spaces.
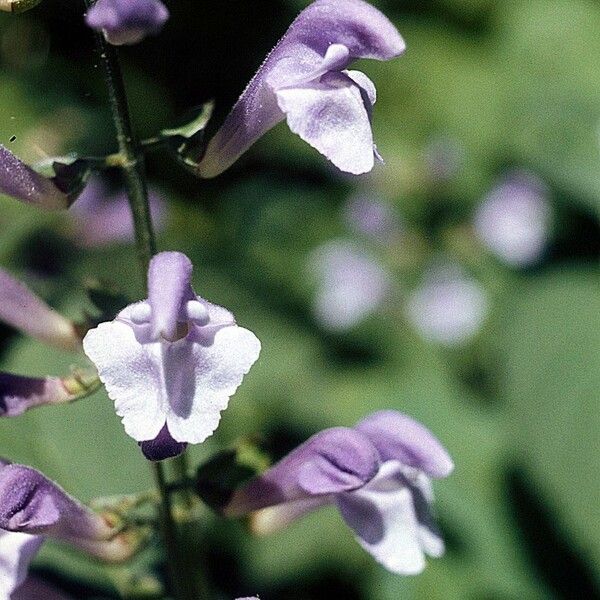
{"x":101,"y":218}
{"x":444,"y":157}
{"x":33,"y":507}
{"x":171,"y":362}
{"x":351,"y":284}
{"x":127,"y":21}
{"x":448,"y":308}
{"x":19,"y":394}
{"x":366,"y":214}
{"x":513,"y":220}
{"x":23,"y":183}
{"x":377,"y":474}
{"x":22,"y":309}
{"x":304,"y":79}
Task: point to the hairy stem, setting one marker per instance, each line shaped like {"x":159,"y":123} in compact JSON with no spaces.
{"x":130,"y":150}
{"x":132,"y":164}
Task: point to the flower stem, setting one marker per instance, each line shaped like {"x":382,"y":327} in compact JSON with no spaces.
{"x":133,"y":167}
{"x":130,"y":150}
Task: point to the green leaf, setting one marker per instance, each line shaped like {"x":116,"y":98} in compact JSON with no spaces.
{"x":551,"y":386}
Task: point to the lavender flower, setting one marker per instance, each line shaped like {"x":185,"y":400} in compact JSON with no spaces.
{"x":351,"y":284}
{"x":127,"y":21}
{"x":514,"y":219}
{"x":305,"y":80}
{"x":377,"y":474}
{"x":449,"y":308}
{"x":366,"y":214}
{"x":23,"y":310}
{"x":18,"y":393}
{"x":33,"y":507}
{"x":100,"y":218}
{"x":23,"y":183}
{"x":171,"y":362}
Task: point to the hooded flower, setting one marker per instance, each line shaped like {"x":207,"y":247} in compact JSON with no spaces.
{"x":127,"y":21}
{"x":377,"y":474}
{"x":22,"y":309}
{"x":514,"y":220}
{"x":351,"y":284}
{"x":33,"y":507}
{"x":171,"y":362}
{"x":23,"y":183}
{"x":305,"y":79}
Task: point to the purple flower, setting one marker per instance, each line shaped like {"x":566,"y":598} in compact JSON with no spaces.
{"x":305,"y":80}
{"x":351,"y":284}
{"x":18,"y":393}
{"x":22,"y":309}
{"x":23,"y":183}
{"x":33,"y":507}
{"x":448,"y":308}
{"x":514,"y":219}
{"x":171,"y":362}
{"x":101,"y":218}
{"x":127,"y":21}
{"x":34,"y":588}
{"x":377,"y":474}
{"x":366,"y":214}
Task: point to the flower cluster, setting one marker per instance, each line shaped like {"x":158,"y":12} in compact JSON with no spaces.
{"x":171,"y":361}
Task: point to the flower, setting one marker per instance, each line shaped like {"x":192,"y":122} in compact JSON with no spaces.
{"x":127,"y":21}
{"x":305,"y":80}
{"x":34,"y":587}
{"x":377,"y":474}
{"x":171,"y":361}
{"x":33,"y":507}
{"x":448,"y":308}
{"x":513,"y":221}
{"x":22,"y":309}
{"x":16,"y":552}
{"x":23,"y":183}
{"x":18,"y":393}
{"x":368,"y":215}
{"x":351,"y":284}
{"x":101,"y":218}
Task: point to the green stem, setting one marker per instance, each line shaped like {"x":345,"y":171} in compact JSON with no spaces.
{"x":129,"y":148}
{"x":132,"y":165}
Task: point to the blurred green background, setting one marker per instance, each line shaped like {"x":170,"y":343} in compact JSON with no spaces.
{"x":492,"y":86}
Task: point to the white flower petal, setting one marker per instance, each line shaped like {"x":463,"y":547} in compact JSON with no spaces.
{"x":384,"y":519}
{"x":215,"y":372}
{"x":16,"y":552}
{"x":330,"y":114}
{"x":132,"y":376}
{"x":363,"y":82}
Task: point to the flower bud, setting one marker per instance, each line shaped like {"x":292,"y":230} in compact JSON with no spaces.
{"x":22,"y":309}
{"x":23,"y":183}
